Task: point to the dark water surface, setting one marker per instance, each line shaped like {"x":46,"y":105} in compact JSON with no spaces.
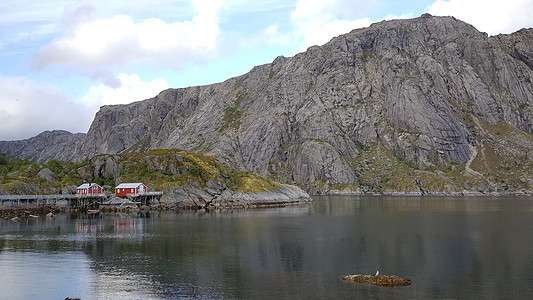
{"x":449,"y":247}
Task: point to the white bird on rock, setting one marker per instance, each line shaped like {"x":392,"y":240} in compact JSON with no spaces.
{"x":377,"y":273}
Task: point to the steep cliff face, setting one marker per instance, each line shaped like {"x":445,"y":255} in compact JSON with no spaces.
{"x":424,"y":91}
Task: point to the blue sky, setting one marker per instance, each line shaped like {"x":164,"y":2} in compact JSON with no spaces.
{"x":60,"y":60}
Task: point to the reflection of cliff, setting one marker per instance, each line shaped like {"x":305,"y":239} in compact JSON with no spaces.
{"x":502,"y":241}
{"x":339,"y":205}
{"x":447,"y":252}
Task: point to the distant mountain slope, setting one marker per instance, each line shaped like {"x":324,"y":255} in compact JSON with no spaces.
{"x":57,"y":144}
{"x":414,"y":99}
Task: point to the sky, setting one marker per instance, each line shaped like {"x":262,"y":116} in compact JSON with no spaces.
{"x":61,"y":60}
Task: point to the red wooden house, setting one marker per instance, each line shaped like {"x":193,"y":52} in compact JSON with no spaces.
{"x":130,"y":189}
{"x":88,"y":189}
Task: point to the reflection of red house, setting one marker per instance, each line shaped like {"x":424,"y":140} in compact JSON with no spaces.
{"x":88,"y":189}
{"x":132,"y":189}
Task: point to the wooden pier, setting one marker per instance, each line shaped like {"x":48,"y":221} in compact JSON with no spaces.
{"x":86,"y":201}
{"x":72,"y":200}
{"x":144,"y":198}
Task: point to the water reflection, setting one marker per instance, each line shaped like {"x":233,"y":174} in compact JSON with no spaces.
{"x":449,"y":247}
{"x":338,"y":205}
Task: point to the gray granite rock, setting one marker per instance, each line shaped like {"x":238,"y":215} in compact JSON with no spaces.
{"x":414,"y":86}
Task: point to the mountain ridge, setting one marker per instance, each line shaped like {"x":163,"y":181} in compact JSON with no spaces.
{"x":427,"y":91}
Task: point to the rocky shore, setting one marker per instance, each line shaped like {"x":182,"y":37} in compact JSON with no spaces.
{"x":191,"y":198}
{"x":24,"y":212}
{"x":194,"y":199}
{"x":517,"y":193}
{"x":182,"y":198}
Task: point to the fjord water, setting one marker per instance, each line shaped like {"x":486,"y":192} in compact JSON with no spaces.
{"x":449,"y":247}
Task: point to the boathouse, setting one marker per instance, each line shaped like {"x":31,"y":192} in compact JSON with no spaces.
{"x":88,"y":189}
{"x":130,"y":189}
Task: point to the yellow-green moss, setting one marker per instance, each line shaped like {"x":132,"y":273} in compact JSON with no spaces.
{"x":504,"y":155}
{"x":253,"y":183}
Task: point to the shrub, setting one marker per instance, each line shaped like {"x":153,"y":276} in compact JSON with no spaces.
{"x":197,"y":170}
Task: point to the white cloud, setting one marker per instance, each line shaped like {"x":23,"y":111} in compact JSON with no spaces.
{"x":118,"y":40}
{"x":317,"y":21}
{"x":396,"y":17}
{"x":27,"y":108}
{"x":130,"y":89}
{"x":491,"y":16}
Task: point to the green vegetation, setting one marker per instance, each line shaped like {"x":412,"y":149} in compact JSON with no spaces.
{"x":161,"y":169}
{"x":105,"y":181}
{"x":22,"y":176}
{"x":375,"y":167}
{"x":142,"y":146}
{"x":271,"y":74}
{"x":246,"y":182}
{"x":368,"y":54}
{"x":233,"y":114}
{"x":504,"y":156}
{"x":379,"y":170}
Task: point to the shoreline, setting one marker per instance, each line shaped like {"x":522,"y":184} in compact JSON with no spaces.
{"x":32,"y":210}
{"x":433,"y":194}
{"x":20,"y":212}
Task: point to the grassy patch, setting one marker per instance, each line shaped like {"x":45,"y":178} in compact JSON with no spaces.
{"x":21,"y":176}
{"x":252,"y":183}
{"x":232,"y":115}
{"x":368,"y":54}
{"x":375,"y":166}
{"x":504,"y":155}
{"x":271,"y":74}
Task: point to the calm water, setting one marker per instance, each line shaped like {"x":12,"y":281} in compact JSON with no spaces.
{"x":448,"y":247}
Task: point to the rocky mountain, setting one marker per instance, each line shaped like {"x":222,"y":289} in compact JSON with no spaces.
{"x":421,"y":105}
{"x":57,"y":144}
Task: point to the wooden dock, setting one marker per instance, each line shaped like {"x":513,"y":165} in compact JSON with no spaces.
{"x":70,"y":200}
{"x":85,"y":201}
{"x":144,"y":198}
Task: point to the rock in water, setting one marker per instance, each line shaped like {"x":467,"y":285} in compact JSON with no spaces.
{"x":381,"y":280}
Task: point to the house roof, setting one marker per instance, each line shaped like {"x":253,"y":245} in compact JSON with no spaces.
{"x":128,"y":185}
{"x":87,"y":185}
